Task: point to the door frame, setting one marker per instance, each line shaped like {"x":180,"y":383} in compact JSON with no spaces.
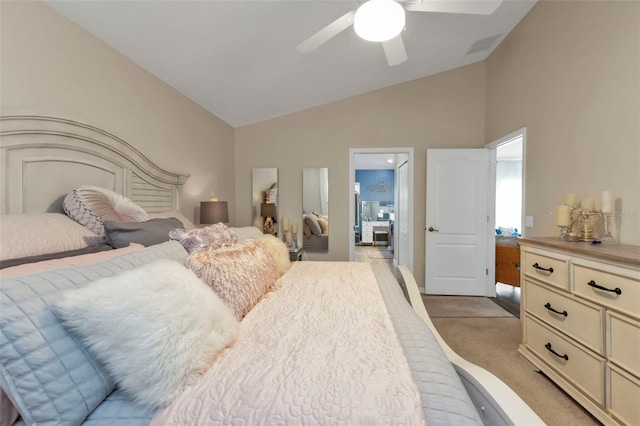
{"x":410,"y":207}
{"x":491,"y":240}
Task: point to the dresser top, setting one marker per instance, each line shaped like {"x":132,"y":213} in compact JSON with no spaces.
{"x":610,"y":251}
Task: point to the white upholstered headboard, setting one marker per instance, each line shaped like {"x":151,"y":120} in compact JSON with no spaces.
{"x":43,"y":158}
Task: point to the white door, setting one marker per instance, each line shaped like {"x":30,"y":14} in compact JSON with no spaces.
{"x":457,"y":221}
{"x":400,"y":226}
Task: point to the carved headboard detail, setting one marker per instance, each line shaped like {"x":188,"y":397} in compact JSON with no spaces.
{"x":43,"y":158}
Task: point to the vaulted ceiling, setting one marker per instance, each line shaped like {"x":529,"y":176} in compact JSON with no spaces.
{"x":238,"y":59}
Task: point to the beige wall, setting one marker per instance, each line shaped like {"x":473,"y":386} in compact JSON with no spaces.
{"x":445,"y":110}
{"x":570,"y":74}
{"x":50,"y":66}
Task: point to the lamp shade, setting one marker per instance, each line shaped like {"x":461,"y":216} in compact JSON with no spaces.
{"x":268,"y":209}
{"x":379,"y":20}
{"x":214,"y":212}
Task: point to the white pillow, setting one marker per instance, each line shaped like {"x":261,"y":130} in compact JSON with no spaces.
{"x":156,"y":329}
{"x":26,"y":235}
{"x":90,"y":206}
{"x":174,"y":213}
{"x":246,"y":232}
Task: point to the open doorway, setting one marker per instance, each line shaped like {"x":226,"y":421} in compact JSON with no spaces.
{"x":381,"y":211}
{"x":508,"y":217}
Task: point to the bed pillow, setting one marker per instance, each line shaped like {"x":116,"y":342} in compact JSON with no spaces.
{"x":44,"y":386}
{"x":186,"y":223}
{"x":153,"y":231}
{"x":240,"y":274}
{"x":28,"y":235}
{"x":170,"y":327}
{"x":90,"y":206}
{"x":246,"y":232}
{"x":324,"y":225}
{"x":313,"y":223}
{"x":321,"y":216}
{"x":306,"y":231}
{"x":278,"y":250}
{"x":207,"y":238}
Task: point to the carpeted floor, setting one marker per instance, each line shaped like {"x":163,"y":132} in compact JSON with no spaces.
{"x":462,"y":306}
{"x":492,"y":343}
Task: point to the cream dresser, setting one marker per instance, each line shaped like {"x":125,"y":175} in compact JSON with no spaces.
{"x":580,"y":310}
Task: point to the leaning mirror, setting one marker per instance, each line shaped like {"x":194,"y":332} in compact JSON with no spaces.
{"x":315,"y":209}
{"x":264,"y":214}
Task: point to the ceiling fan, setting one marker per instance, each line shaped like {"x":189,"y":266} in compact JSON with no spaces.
{"x":383,"y":21}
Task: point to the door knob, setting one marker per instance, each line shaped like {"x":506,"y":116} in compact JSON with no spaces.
{"x":431,"y":229}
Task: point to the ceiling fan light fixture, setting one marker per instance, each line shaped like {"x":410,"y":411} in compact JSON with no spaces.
{"x":379,"y":20}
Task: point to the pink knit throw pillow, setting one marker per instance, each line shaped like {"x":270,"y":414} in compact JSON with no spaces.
{"x":240,"y":275}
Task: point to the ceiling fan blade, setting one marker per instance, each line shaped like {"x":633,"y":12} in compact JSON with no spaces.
{"x":473,"y":7}
{"x":394,"y":50}
{"x":327,"y":33}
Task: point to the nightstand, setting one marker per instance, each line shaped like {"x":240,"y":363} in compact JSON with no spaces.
{"x":295,"y":254}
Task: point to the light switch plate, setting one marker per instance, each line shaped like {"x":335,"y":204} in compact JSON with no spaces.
{"x":528,"y":221}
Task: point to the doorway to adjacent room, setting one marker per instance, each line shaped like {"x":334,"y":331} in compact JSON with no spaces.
{"x":381,"y":211}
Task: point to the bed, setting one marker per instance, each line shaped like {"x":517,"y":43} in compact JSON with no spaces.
{"x":290,"y":359}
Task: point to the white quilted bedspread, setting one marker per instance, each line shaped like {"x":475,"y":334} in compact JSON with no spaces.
{"x":319,"y":350}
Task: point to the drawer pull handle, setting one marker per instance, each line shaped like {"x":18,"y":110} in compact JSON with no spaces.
{"x":593,"y":284}
{"x":549,"y":270}
{"x":548,"y":306}
{"x":548,"y":346}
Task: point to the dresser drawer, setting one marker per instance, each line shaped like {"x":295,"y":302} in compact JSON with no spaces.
{"x":583,"y":368}
{"x":581,"y":321}
{"x":623,"y":391}
{"x":621,"y":287}
{"x":551,"y":270}
{"x":623,"y":342}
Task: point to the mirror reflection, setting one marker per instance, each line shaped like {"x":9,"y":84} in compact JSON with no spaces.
{"x":264,"y":214}
{"x":377,"y":210}
{"x":315,"y":209}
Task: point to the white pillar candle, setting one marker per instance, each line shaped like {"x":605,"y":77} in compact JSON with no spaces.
{"x":294,"y":227}
{"x":571,"y":200}
{"x":285,"y":224}
{"x":606,"y":201}
{"x":563,"y":215}
{"x":587,"y":204}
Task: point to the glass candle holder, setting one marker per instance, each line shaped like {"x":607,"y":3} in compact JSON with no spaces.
{"x":563,"y":233}
{"x":607,"y":217}
{"x":586,"y":222}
